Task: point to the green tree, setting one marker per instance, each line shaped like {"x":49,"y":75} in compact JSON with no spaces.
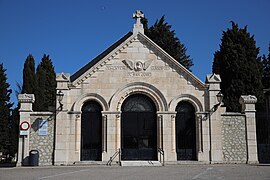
{"x":5,"y":109}
{"x":46,"y":85}
{"x":238,"y":64}
{"x":162,"y":34}
{"x":266,"y":70}
{"x":14,"y":131}
{"x":29,"y":75}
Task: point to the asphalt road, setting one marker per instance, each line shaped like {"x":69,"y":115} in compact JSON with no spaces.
{"x":231,"y":171}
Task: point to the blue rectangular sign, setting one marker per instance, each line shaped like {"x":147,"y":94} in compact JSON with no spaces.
{"x":43,"y":128}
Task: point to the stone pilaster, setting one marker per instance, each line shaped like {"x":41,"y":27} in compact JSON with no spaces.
{"x":26,"y":102}
{"x":64,"y":140}
{"x":111,"y":134}
{"x":248,"y":108}
{"x":214,"y":118}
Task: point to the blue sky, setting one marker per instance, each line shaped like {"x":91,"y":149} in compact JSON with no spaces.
{"x":73,"y":32}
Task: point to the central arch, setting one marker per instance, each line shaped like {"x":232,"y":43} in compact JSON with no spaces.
{"x":139,"y":128}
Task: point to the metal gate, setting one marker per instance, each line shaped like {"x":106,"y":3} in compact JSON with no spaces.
{"x":139,"y":129}
{"x":185,"y":132}
{"x":263,"y":136}
{"x":91,"y":132}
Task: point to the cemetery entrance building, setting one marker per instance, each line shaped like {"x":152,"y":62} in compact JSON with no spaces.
{"x":135,"y":102}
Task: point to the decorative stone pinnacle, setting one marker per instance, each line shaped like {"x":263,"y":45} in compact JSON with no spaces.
{"x":26,"y":98}
{"x":138,"y":15}
{"x":249,"y":99}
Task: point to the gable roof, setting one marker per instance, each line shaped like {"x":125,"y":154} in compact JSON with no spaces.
{"x":99,"y":57}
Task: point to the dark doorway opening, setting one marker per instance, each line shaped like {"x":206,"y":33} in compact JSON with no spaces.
{"x":185,"y":132}
{"x":91,"y":129}
{"x":139,"y":128}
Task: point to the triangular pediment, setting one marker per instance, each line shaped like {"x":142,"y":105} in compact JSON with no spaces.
{"x":135,"y":65}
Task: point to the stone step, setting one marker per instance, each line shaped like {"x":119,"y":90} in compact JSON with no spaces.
{"x":90,"y":163}
{"x":140,"y":163}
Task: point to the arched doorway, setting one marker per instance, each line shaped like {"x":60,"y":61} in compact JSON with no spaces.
{"x":91,"y":129}
{"x":139,"y":128}
{"x":185,"y":131}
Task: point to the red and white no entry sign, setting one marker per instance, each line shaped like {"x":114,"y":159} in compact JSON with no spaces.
{"x":24,"y":126}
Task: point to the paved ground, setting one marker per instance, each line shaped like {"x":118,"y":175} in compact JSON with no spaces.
{"x":208,"y":172}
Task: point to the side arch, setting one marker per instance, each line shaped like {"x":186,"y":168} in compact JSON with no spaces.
{"x":90,"y":96}
{"x":138,"y":88}
{"x":186,"y":97}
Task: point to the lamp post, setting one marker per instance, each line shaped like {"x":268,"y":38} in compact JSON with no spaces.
{"x":60,"y":96}
{"x":219,"y":97}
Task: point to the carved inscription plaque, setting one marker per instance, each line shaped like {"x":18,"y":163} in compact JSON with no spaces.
{"x":137,"y":68}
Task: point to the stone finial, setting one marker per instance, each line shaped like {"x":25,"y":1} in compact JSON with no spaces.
{"x":213,"y":81}
{"x":248,"y":103}
{"x":26,"y":101}
{"x":138,"y":27}
{"x":138,"y":15}
{"x":26,"y":98}
{"x":64,"y":77}
{"x":249,"y":99}
{"x":213,"y":78}
{"x":62,"y":80}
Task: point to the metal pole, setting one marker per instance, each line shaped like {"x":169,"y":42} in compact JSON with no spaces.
{"x":22,"y":163}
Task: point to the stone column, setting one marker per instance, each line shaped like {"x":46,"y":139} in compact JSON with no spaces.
{"x":78,"y":134}
{"x":214,"y":118}
{"x":26,"y":101}
{"x":248,"y":108}
{"x":104,"y":132}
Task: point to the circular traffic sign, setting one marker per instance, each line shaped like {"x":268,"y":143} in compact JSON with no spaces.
{"x":25,"y":125}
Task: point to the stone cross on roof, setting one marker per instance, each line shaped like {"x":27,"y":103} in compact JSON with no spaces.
{"x":138,"y":27}
{"x":138,"y":15}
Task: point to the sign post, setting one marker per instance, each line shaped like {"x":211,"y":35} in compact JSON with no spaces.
{"x":24,"y":131}
{"x":24,"y":127}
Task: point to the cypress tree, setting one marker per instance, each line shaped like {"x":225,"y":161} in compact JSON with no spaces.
{"x":46,"y":85}
{"x":266,"y":70}
{"x":14,"y":131}
{"x":162,"y":34}
{"x":238,"y":64}
{"x":5,"y":109}
{"x":29,"y":79}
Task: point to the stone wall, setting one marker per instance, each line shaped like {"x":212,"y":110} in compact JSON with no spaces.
{"x":234,"y":138}
{"x":43,"y":143}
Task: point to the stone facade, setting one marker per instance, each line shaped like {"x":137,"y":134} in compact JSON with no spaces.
{"x":234,"y":138}
{"x":136,"y":66}
{"x":43,"y":143}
